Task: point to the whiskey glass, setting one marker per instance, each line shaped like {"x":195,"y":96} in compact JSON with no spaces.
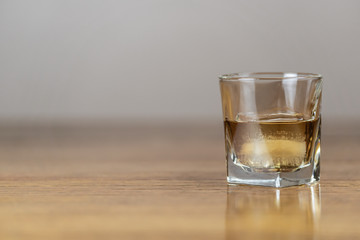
{"x":272,"y":127}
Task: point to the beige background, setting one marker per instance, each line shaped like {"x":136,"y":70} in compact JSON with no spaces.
{"x":62,"y":60}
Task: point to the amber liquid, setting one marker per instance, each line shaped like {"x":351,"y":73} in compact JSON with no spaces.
{"x":271,"y":145}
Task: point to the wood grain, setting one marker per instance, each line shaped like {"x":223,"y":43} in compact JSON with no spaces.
{"x":162,"y":182}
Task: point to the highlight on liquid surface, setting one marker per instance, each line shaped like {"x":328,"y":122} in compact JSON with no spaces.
{"x":284,"y":145}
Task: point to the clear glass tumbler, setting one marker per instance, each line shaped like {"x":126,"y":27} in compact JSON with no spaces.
{"x":272,"y":127}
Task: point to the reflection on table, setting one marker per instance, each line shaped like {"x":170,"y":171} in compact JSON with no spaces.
{"x":268,"y":213}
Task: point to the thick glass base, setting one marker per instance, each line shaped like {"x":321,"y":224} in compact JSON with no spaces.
{"x":244,"y":175}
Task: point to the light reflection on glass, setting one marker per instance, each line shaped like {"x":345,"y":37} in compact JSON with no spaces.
{"x":268,"y":213}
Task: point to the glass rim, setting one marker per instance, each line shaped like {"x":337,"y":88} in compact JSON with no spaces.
{"x":279,"y":76}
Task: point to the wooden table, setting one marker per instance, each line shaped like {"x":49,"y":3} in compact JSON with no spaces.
{"x":162,"y":181}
